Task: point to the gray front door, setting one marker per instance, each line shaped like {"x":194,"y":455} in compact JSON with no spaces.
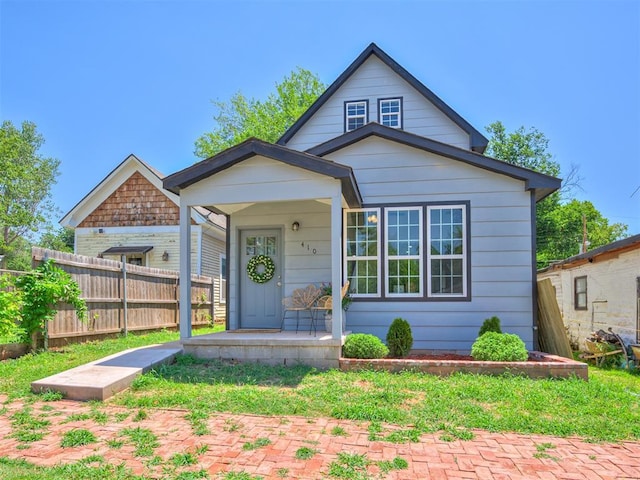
{"x":260,"y":303}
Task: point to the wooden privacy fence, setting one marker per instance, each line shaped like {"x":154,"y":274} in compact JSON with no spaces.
{"x":122,"y":297}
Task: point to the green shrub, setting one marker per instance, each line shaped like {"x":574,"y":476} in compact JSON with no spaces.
{"x":490,"y":325}
{"x":42,"y":290}
{"x":399,"y":338}
{"x":10,"y":305}
{"x":363,"y":345}
{"x":499,"y":347}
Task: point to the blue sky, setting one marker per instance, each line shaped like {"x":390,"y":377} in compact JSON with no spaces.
{"x":106,"y":78}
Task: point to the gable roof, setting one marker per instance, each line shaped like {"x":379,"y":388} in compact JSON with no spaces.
{"x":618,"y":247}
{"x":115,"y":179}
{"x":542,"y":184}
{"x":478,"y":142}
{"x":252,"y":147}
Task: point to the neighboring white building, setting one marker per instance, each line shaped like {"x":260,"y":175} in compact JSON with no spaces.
{"x":391,"y":191}
{"x":599,"y":289}
{"x":130,"y":213}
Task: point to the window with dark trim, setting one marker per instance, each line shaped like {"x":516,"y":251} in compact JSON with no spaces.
{"x":362,"y":251}
{"x":405,"y":252}
{"x":356,"y":114}
{"x":390,"y":112}
{"x":580,"y":293}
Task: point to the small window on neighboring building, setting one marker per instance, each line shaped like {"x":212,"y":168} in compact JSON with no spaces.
{"x":135,"y":260}
{"x":355,"y":114}
{"x":580,"y":293}
{"x":390,"y":112}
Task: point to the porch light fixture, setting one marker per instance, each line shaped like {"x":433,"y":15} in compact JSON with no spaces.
{"x":295,"y":226}
{"x":165,"y":256}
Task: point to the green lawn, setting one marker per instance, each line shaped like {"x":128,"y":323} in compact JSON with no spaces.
{"x":16,"y":375}
{"x":607,"y":408}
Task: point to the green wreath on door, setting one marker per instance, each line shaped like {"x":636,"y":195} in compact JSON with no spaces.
{"x":269,"y":268}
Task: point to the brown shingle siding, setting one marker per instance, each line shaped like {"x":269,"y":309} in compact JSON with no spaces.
{"x":136,"y":202}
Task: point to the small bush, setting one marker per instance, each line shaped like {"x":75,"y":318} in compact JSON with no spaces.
{"x":499,"y":347}
{"x":363,"y":345}
{"x":399,"y":338}
{"x":490,"y":325}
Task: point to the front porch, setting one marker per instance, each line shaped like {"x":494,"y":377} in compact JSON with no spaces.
{"x":268,"y":347}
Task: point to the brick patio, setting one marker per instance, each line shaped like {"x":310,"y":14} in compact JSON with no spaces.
{"x":487,"y":456}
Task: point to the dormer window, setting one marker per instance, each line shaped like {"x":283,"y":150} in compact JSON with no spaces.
{"x":390,"y":112}
{"x":355,"y":114}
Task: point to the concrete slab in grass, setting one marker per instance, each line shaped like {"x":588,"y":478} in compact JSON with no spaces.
{"x":104,"y":378}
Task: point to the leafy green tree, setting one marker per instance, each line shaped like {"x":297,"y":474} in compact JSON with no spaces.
{"x":62,"y":239}
{"x":25,"y":183}
{"x":559,"y":228}
{"x":567,"y":227}
{"x":241,"y":118}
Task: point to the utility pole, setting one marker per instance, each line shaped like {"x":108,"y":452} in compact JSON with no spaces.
{"x":584,"y":233}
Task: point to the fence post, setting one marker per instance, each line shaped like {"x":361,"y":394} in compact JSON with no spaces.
{"x":124,"y":293}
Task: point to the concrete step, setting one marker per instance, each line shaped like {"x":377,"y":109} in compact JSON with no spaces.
{"x":104,"y":378}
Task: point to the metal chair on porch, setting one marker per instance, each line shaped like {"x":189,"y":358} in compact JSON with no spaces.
{"x":325,"y":303}
{"x":301,"y":300}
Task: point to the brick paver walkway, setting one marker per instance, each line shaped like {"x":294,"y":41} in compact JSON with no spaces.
{"x":487,"y":456}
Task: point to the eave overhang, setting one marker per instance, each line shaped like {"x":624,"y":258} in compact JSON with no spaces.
{"x":542,"y":184}
{"x":254,"y":147}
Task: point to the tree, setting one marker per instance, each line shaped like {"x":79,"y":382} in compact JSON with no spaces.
{"x":568,"y":222}
{"x":242,"y":118}
{"x":25,"y":183}
{"x":559,"y":226}
{"x":62,"y":239}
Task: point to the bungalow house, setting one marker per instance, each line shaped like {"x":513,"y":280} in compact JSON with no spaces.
{"x":598,"y":290}
{"x":382,"y":184}
{"x":130,"y":214}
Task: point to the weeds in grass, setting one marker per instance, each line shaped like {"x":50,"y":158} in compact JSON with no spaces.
{"x":115,"y":444}
{"x":93,"y":467}
{"x":239,"y":476}
{"x":140,"y":415}
{"x":231,"y":425}
{"x":143,"y":439}
{"x":398,"y":463}
{"x":198,"y":420}
{"x":542,"y":449}
{"x":375,"y":429}
{"x":77,"y":438}
{"x":260,"y":442}
{"x":305,"y":453}
{"x":339,"y":432}
{"x":28,"y":428}
{"x":121,"y":416}
{"x":183,"y":459}
{"x":350,"y":466}
{"x":50,"y":396}
{"x":404,"y":436}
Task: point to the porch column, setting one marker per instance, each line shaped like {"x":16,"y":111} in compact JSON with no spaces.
{"x":336,"y":263}
{"x":185,"y":270}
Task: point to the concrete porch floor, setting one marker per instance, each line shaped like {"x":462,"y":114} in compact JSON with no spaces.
{"x":286,"y":347}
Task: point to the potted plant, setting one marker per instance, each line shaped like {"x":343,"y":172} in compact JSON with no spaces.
{"x":327,"y":291}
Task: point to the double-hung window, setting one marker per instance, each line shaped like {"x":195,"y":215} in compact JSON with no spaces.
{"x":447,"y":251}
{"x":390,"y":112}
{"x":355,"y":114}
{"x":363,"y":251}
{"x":408,"y":252}
{"x":580,"y":293}
{"x":403,"y":245}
